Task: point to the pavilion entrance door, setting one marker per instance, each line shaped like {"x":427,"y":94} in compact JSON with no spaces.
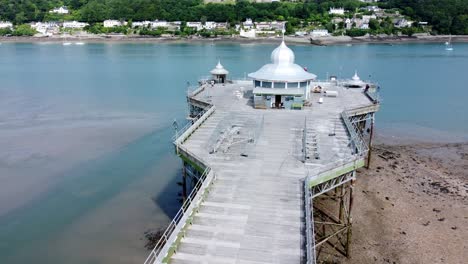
{"x":277,"y":101}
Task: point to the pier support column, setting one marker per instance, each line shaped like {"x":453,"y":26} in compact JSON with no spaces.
{"x":184,"y":182}
{"x":371,"y":135}
{"x":333,"y":221}
{"x":350,"y":220}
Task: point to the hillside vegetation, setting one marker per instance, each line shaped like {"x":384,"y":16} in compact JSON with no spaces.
{"x":446,"y":16}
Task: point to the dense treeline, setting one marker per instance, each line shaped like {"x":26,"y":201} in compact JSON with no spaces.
{"x":446,"y":16}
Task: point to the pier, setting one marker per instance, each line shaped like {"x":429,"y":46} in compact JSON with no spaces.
{"x":270,"y":185}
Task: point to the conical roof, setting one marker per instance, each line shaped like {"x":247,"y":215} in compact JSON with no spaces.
{"x":282,"y":67}
{"x":219,"y":69}
{"x":355,"y":81}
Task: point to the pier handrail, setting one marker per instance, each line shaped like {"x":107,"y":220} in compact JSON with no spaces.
{"x":171,"y":234}
{"x":310,"y":232}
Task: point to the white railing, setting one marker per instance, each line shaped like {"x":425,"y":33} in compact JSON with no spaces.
{"x":310,"y":232}
{"x":170,"y":239}
{"x":168,"y":242}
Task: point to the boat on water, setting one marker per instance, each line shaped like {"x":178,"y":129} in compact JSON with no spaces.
{"x":448,"y":44}
{"x":66,"y":43}
{"x":79,"y":43}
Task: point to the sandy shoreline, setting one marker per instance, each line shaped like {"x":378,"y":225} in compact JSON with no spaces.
{"x":324,"y":41}
{"x":411,"y":206}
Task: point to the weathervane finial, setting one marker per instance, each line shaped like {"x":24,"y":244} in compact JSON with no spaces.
{"x":283,"y":30}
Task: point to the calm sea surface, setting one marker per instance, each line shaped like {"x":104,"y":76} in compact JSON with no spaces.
{"x":91,"y":202}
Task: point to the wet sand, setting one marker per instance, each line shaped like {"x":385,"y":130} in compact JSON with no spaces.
{"x":411,"y":206}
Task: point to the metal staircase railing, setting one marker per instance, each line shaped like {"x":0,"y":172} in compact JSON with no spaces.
{"x":360,"y":148}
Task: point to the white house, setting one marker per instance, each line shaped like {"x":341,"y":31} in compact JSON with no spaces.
{"x":60,"y":10}
{"x":195,"y":25}
{"x":348,"y":23}
{"x":336,"y":11}
{"x":112,"y":23}
{"x":251,"y":33}
{"x":46,"y":28}
{"x":6,"y":24}
{"x":209,"y":25}
{"x":401,"y":23}
{"x":248,"y":24}
{"x":367,"y":18}
{"x":74,"y":24}
{"x":317,"y":33}
{"x":141,"y":23}
{"x":222,"y":25}
{"x":159,"y":24}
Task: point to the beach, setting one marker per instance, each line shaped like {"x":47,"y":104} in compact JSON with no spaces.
{"x":322,"y":41}
{"x":411,"y":206}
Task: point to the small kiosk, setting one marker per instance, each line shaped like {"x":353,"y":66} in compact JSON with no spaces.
{"x":219,"y":73}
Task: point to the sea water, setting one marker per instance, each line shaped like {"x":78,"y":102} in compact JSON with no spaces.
{"x":73,"y":195}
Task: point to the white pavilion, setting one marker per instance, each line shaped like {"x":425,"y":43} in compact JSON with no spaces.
{"x":219,"y":73}
{"x":355,"y":82}
{"x":281,"y":83}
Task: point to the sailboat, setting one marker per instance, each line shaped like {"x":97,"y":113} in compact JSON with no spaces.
{"x":448,"y":44}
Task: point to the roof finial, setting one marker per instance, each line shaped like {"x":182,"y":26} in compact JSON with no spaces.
{"x":283,"y":30}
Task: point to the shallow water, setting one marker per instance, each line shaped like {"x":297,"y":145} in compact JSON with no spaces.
{"x":92,"y":195}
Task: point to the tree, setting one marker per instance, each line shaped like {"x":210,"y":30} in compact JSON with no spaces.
{"x":374,"y":24}
{"x":94,"y":11}
{"x":24,"y":30}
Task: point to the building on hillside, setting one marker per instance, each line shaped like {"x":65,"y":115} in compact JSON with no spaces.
{"x":209,"y":25}
{"x":336,"y":11}
{"x":372,"y":9}
{"x":251,"y":33}
{"x":402,"y":23}
{"x":195,"y":25}
{"x":281,"y":83}
{"x":6,"y":24}
{"x":74,"y":24}
{"x":248,"y":24}
{"x":60,"y":10}
{"x":159,"y":24}
{"x":174,"y":25}
{"x":46,"y":28}
{"x":141,"y":24}
{"x":112,"y":23}
{"x":366,"y":18}
{"x":369,"y":1}
{"x":300,"y":33}
{"x":222,"y":25}
{"x":317,"y":33}
{"x":348,"y":23}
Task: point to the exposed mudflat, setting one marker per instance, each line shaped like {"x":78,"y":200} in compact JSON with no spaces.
{"x":411,"y":206}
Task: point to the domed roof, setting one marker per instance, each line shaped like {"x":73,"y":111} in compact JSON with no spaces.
{"x":219,"y":69}
{"x":282,"y":68}
{"x":282,"y":54}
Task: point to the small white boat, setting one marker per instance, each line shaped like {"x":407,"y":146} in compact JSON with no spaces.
{"x":448,"y":44}
{"x":79,"y":43}
{"x":66,"y":43}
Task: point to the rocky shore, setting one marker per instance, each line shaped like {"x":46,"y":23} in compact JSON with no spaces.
{"x":411,"y":206}
{"x":323,"y":41}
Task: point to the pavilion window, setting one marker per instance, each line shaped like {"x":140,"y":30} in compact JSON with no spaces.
{"x":303,"y":84}
{"x":266,"y":84}
{"x":293,"y":85}
{"x":257,"y":83}
{"x":280,"y":85}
